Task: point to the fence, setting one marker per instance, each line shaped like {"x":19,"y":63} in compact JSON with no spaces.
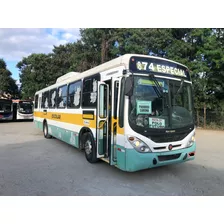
{"x":211,"y":120}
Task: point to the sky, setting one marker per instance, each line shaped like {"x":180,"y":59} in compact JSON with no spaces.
{"x":16,"y":43}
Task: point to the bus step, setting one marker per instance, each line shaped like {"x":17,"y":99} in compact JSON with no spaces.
{"x":105,"y":160}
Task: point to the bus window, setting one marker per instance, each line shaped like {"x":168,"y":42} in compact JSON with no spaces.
{"x":103,"y":100}
{"x":116,"y":88}
{"x":52,"y":98}
{"x":45,"y":100}
{"x":89,"y":94}
{"x":74,"y":94}
{"x":36,"y":102}
{"x":62,"y":97}
{"x":121,"y":106}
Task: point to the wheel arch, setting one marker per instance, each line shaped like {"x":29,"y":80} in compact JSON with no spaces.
{"x":83,"y":131}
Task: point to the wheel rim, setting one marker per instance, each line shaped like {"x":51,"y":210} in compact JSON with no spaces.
{"x":88,"y":147}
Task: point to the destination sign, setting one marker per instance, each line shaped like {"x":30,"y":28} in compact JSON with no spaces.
{"x":154,"y":65}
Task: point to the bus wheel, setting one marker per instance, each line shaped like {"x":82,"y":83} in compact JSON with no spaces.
{"x":89,"y":148}
{"x":46,"y":135}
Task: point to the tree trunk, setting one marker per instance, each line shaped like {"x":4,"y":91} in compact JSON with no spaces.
{"x":104,"y":49}
{"x":204,"y":115}
{"x":198,"y":120}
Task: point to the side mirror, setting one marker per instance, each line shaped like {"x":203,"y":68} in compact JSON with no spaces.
{"x":129,"y":85}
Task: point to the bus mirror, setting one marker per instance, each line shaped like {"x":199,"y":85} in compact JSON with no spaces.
{"x":129,"y":84}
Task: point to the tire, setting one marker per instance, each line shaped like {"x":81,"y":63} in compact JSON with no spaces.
{"x":89,"y":147}
{"x":46,"y":135}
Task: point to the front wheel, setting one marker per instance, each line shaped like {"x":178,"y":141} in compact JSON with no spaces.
{"x":46,"y":135}
{"x":89,"y":148}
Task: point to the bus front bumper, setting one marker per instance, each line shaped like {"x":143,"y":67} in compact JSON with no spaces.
{"x":138,"y":161}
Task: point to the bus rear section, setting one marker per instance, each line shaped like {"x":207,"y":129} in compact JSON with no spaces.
{"x":23,"y":109}
{"x":6,"y":109}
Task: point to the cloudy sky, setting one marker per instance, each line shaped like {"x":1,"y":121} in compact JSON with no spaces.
{"x":17,"y":43}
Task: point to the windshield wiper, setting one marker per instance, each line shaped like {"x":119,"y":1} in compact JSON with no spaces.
{"x":157,"y":88}
{"x":181,"y":86}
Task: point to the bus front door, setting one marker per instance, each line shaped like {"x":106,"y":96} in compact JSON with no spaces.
{"x":102,"y":120}
{"x":115,"y":84}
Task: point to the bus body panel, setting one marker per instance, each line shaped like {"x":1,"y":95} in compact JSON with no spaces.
{"x":69,"y":126}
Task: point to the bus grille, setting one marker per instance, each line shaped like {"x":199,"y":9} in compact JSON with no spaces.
{"x":169,"y":157}
{"x":168,"y":138}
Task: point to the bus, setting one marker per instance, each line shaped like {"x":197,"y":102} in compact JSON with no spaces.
{"x":22,"y":109}
{"x":6,"y":110}
{"x":134,"y":112}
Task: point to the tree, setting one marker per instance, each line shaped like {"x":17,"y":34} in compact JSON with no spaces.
{"x":35,"y":74}
{"x":62,"y":60}
{"x":7,"y":83}
{"x":202,"y":50}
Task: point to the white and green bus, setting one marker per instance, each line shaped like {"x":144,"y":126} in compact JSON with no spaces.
{"x":134,"y":112}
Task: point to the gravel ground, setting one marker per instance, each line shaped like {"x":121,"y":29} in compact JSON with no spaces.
{"x":33,"y":165}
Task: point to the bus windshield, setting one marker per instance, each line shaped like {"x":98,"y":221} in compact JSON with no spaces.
{"x":5,"y":107}
{"x":165,"y":106}
{"x":25,"y":107}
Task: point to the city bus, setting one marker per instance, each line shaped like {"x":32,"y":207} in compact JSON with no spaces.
{"x":6,"y":110}
{"x":22,"y":109}
{"x":134,"y":112}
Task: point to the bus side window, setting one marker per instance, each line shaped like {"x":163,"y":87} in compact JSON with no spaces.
{"x":45,"y":100}
{"x":116,"y":88}
{"x":121,"y":106}
{"x":74,"y":94}
{"x":62,"y":97}
{"x":52,"y":98}
{"x":40,"y":102}
{"x":89,"y":93}
{"x":36,"y":101}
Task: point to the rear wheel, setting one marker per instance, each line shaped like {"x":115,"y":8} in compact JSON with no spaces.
{"x":46,"y":135}
{"x":89,"y":148}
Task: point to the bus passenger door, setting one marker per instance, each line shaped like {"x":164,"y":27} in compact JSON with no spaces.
{"x":102,"y":120}
{"x":115,"y":84}
{"x":40,"y":105}
{"x":42,"y":109}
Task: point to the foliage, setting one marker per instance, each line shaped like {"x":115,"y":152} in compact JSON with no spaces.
{"x":202,"y":50}
{"x":7,"y":83}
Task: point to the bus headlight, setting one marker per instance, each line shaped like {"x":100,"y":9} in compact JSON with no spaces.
{"x":191,"y":141}
{"x":139,"y":145}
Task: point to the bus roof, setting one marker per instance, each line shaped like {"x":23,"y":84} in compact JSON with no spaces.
{"x":121,"y":60}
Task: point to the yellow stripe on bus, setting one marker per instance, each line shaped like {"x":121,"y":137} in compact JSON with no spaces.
{"x":76,"y":119}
